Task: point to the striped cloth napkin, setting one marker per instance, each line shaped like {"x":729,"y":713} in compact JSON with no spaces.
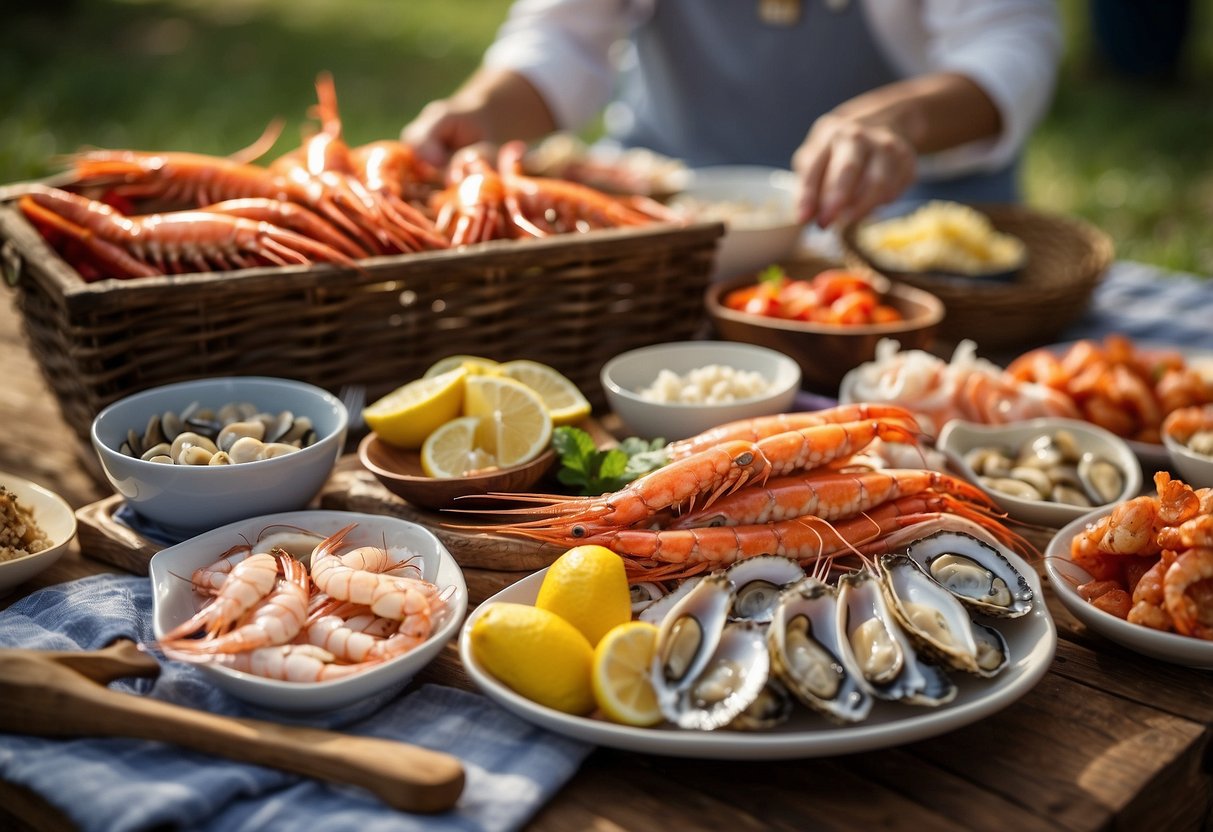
{"x":512,"y":767}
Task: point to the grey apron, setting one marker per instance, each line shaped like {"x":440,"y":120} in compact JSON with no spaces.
{"x":712,"y":84}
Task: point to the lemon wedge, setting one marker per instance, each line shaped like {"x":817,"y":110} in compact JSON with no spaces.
{"x":407,"y":415}
{"x":560,"y":396}
{"x":451,"y":450}
{"x":620,"y":677}
{"x":514,"y":424}
{"x":474,"y":364}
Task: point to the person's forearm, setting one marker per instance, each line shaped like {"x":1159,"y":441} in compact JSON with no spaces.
{"x":933,"y":112}
{"x":509,"y":104}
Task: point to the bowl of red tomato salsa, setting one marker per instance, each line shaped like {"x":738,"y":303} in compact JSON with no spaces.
{"x":827,"y":318}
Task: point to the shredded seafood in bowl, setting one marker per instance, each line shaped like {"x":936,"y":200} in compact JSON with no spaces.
{"x":935,"y":391}
{"x":20,"y":534}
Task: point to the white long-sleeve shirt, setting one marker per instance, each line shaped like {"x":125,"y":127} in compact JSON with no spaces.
{"x":1010,"y":48}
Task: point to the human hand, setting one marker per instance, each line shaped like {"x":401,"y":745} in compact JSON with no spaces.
{"x":441,"y":128}
{"x":846,"y":167}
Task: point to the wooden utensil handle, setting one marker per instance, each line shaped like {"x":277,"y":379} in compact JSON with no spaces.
{"x":47,"y":699}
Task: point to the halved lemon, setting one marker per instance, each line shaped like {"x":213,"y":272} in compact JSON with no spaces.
{"x":620,"y":677}
{"x":407,"y":415}
{"x":560,"y":395}
{"x":474,"y":364}
{"x":451,"y":450}
{"x":514,"y":424}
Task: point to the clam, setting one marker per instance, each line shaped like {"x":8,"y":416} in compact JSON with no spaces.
{"x":979,"y":575}
{"x":937,"y":623}
{"x":889,"y":665}
{"x":1101,"y":479}
{"x":807,"y":657}
{"x":281,"y":432}
{"x":758,"y":582}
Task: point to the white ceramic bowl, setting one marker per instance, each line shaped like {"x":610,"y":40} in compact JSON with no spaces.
{"x":958,"y":437}
{"x":1066,"y":575}
{"x":625,"y":375}
{"x":187,"y":499}
{"x":757,"y":205}
{"x":1193,"y":468}
{"x":52,"y":514}
{"x":173,"y":601}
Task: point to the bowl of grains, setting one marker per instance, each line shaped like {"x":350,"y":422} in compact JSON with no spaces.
{"x":679,"y":389}
{"x":36,"y":524}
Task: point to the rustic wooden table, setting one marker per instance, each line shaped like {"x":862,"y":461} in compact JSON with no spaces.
{"x":1108,"y":739}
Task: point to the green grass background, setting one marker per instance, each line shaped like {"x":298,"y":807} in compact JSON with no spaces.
{"x":207,"y":75}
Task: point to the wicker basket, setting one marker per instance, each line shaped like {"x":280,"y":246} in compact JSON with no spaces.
{"x":572,"y":302}
{"x":1066,"y":260}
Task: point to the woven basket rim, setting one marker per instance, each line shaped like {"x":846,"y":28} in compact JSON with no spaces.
{"x":1075,"y":280}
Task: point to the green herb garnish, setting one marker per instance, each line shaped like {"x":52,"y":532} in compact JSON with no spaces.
{"x":595,"y":472}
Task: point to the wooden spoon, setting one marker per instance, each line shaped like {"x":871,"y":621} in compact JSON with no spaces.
{"x":62,"y":694}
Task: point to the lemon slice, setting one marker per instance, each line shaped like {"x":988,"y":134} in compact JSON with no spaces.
{"x":514,"y":424}
{"x":407,"y":415}
{"x":451,"y":450}
{"x":620,"y":676}
{"x":560,"y":396}
{"x":474,"y":364}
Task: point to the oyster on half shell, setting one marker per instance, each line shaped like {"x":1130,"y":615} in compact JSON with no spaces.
{"x":979,"y":575}
{"x":807,"y":657}
{"x":888,"y":664}
{"x":937,"y":623}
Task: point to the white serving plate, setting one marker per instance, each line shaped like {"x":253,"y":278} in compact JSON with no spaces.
{"x":1032,"y":640}
{"x":52,"y":514}
{"x":1065,"y":575}
{"x":174,"y":601}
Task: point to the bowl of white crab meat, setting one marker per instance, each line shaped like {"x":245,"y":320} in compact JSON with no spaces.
{"x":309,"y":610}
{"x":1045,"y":471}
{"x":194,"y":455}
{"x":682,"y":388}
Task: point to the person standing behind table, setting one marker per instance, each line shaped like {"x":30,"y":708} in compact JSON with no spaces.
{"x":867,"y":101}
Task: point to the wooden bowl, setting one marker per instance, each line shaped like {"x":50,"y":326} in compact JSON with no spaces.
{"x":400,"y":472}
{"x":826,"y":352}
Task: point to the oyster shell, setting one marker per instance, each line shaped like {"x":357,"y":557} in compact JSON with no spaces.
{"x":729,"y":683}
{"x":772,"y":706}
{"x":644,"y":594}
{"x":975,"y":572}
{"x":758,"y":582}
{"x":807,"y":657}
{"x":688,"y":637}
{"x":935,"y":620}
{"x":1102,"y":480}
{"x":889,"y":665}
{"x":656,"y":612}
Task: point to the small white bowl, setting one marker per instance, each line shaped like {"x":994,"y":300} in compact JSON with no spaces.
{"x":174,"y":600}
{"x":187,"y":499}
{"x":758,"y":207}
{"x":958,"y":437}
{"x":1193,"y":468}
{"x":625,"y":375}
{"x":1065,"y":575}
{"x":52,"y":514}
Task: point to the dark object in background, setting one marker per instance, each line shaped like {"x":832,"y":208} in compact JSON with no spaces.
{"x":1141,"y":39}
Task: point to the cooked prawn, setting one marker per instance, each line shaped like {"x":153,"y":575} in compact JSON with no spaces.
{"x":249,"y":581}
{"x":275,"y":621}
{"x":1189,"y":570}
